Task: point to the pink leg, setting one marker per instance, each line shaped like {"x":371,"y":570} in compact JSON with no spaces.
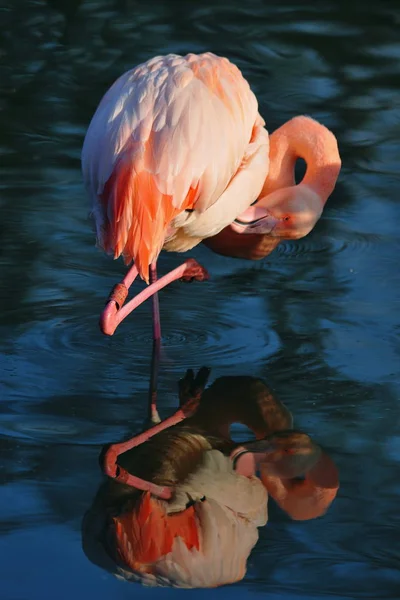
{"x":153,"y":415}
{"x":115,"y":302}
{"x":112,"y":469}
{"x":114,"y":312}
{"x":156,"y":304}
{"x":155,"y":355}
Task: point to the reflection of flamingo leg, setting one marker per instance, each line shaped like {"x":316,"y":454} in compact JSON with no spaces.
{"x":112,"y":469}
{"x":156,"y":304}
{"x":153,"y":415}
{"x":114,"y":312}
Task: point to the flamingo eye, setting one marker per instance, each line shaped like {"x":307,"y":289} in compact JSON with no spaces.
{"x":287,"y":218}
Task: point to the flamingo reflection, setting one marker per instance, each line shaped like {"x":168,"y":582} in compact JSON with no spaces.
{"x":184,"y":507}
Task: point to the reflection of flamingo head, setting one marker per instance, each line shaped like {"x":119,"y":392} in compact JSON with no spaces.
{"x":286,"y":454}
{"x":292,"y":454}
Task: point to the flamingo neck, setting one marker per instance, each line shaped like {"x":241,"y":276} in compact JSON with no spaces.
{"x":246,"y":463}
{"x":302,"y":137}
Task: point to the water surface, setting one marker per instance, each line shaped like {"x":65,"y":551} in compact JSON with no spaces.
{"x":318,"y":320}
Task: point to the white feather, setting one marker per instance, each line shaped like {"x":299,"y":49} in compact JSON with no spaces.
{"x":228,"y":518}
{"x":197,"y":136}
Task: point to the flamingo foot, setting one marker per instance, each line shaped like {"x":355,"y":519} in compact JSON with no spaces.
{"x":152,"y":419}
{"x":195,"y":272}
{"x":115,"y":310}
{"x":191,"y":389}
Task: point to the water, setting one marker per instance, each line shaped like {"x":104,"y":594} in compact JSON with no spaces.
{"x":318,"y":320}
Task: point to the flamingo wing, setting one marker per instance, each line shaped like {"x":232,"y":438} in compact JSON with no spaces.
{"x":202,"y":543}
{"x":148,"y":533}
{"x":168,"y":136}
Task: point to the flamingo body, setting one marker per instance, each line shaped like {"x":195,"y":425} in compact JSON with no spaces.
{"x":173,"y":135}
{"x":204,"y":545}
{"x":202,"y":535}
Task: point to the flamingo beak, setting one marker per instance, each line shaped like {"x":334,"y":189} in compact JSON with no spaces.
{"x":255,"y":219}
{"x":246,"y":459}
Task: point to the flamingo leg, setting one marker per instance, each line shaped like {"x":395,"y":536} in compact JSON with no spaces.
{"x":114,"y":312}
{"x":112,"y":469}
{"x":153,"y":416}
{"x":156,"y":304}
{"x":187,"y":409}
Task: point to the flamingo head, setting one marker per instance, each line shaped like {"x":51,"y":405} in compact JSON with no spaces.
{"x":286,"y":454}
{"x":287,"y":213}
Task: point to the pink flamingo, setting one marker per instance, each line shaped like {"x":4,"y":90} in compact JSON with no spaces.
{"x":175,"y":153}
{"x":193,"y":521}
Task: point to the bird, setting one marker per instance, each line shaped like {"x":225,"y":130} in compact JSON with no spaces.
{"x":176,"y":153}
{"x":201,"y":533}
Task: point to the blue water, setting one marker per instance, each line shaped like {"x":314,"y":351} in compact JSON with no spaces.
{"x":318,"y":320}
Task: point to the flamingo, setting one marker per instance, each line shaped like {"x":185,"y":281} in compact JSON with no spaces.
{"x":194,"y":520}
{"x":177,"y":152}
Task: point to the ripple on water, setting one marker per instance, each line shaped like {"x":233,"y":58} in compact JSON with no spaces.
{"x":197,"y":329}
{"x":230,"y":338}
{"x":53,"y":430}
{"x":329,"y":244}
{"x":64,"y":335}
{"x":335,"y":575}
